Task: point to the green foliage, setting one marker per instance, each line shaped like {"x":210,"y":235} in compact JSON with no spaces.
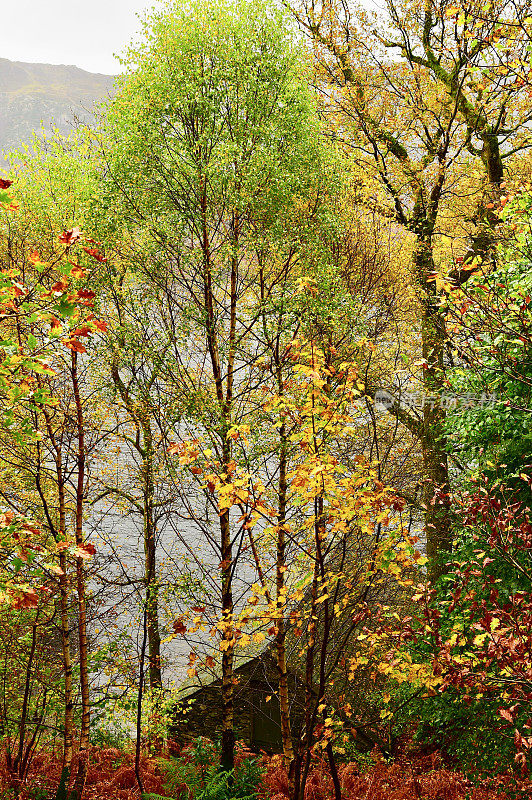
{"x":155,"y":797}
{"x":63,"y":784}
{"x":468,"y":731}
{"x":102,"y":735}
{"x":196,"y":775}
{"x":353,"y":754}
{"x":38,"y":793}
{"x":494,"y":340}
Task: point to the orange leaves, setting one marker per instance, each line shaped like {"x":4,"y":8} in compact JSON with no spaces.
{"x":187,"y":451}
{"x":25,"y":597}
{"x":74,"y":345}
{"x":84,"y":551}
{"x":70,"y":237}
{"x":77,"y":271}
{"x":94,"y":253}
{"x":85,"y":294}
{"x":34,"y":258}
{"x":179,"y":626}
{"x":442,"y":283}
{"x":230,"y":488}
{"x":100,"y":326}
{"x":6,"y":519}
{"x":192,"y":658}
{"x":60,"y":286}
{"x":237,"y":432}
{"x":85,"y":330}
{"x":452,"y":11}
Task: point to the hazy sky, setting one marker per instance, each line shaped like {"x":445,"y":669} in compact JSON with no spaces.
{"x":81,"y":32}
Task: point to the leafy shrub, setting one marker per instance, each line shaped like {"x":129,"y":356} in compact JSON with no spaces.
{"x":196,"y":775}
{"x":469,"y":733}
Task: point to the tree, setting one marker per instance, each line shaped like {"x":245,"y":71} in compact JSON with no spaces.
{"x":418,"y":121}
{"x":490,"y":332}
{"x":209,"y":143}
{"x":332,"y":517}
{"x":47,"y":313}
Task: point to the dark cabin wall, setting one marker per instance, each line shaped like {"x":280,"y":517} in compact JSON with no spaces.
{"x":257,"y":720}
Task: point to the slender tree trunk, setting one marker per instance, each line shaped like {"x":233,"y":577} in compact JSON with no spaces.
{"x":302,"y":761}
{"x":16,"y":766}
{"x":79,"y":783}
{"x":433,"y":444}
{"x":139,"y":703}
{"x":68,"y":733}
{"x":228,"y":738}
{"x":150,"y":562}
{"x":144,"y":446}
{"x":280,"y":639}
{"x":225,"y":399}
{"x":334,"y":772}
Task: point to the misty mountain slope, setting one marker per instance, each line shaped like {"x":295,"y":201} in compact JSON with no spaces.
{"x":41,"y":95}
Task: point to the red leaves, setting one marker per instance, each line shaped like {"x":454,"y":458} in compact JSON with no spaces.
{"x":89,"y":327}
{"x":5,"y":184}
{"x":92,"y":251}
{"x":75,"y":345}
{"x":85,"y":294}
{"x":70,"y":237}
{"x":83,"y":330}
{"x":77,"y":272}
{"x":179,"y":626}
{"x":398,"y":504}
{"x":60,"y":285}
{"x":84,"y":551}
{"x":110,"y":774}
{"x":488,"y":649}
{"x":416,"y":776}
{"x":25,"y":598}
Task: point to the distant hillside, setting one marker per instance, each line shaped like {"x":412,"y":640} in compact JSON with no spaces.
{"x":35,"y":95}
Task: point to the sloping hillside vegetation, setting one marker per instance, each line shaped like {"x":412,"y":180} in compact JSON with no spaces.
{"x":37,"y":96}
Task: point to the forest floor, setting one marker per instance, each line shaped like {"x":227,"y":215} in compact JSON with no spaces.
{"x":111,"y":776}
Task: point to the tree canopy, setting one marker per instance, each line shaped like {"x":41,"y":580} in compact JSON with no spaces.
{"x":265,"y":378}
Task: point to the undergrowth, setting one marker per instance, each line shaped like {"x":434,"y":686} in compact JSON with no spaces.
{"x":194,"y":774}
